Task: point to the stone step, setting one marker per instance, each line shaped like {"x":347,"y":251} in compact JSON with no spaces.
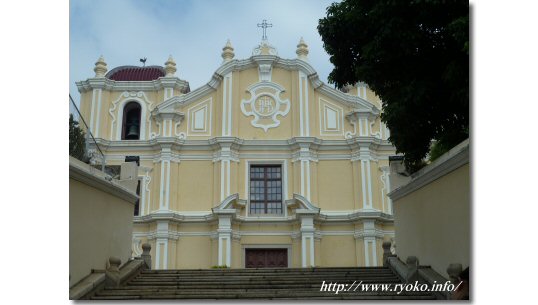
{"x":275,"y":268}
{"x":239,"y":276}
{"x":268,"y":270}
{"x":271,"y":295}
{"x":262,"y":283}
{"x":259,"y":278}
{"x":255,"y":278}
{"x":282,"y":290}
{"x":134,"y":286}
{"x":196,"y":282}
{"x":270,"y":274}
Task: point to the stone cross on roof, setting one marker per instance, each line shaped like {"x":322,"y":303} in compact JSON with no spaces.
{"x":264,"y":25}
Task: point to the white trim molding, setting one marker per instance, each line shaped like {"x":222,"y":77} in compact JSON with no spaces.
{"x":450,"y":161}
{"x":331,"y":118}
{"x":116,"y":110}
{"x":227,"y":105}
{"x":199,"y":119}
{"x":284,"y":180}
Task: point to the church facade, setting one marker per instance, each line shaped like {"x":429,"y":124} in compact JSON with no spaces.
{"x":263,"y":166}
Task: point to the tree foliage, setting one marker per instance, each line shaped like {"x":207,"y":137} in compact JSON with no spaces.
{"x":77,"y":142}
{"x":415,"y":56}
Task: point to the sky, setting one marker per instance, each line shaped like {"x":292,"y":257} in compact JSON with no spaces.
{"x":193,"y":32}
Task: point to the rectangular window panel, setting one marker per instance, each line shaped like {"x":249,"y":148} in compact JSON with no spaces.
{"x":266,"y":189}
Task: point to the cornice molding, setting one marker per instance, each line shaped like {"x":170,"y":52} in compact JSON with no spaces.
{"x":112,"y":85}
{"x":320,"y":216}
{"x":450,"y":161}
{"x":233,"y":148}
{"x":93,"y":177}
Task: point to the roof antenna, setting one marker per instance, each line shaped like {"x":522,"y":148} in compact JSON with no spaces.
{"x":143,"y":60}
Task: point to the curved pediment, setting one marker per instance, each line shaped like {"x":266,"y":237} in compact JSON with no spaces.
{"x":257,"y":61}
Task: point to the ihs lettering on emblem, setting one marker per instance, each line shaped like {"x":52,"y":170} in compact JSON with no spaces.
{"x":265,"y":106}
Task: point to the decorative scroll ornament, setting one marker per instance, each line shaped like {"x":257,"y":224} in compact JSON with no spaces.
{"x":265,"y":105}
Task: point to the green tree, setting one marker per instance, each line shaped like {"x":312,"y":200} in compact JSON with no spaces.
{"x":415,"y":56}
{"x":77,"y":142}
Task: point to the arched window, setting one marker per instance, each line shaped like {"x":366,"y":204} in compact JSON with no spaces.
{"x":131,"y":121}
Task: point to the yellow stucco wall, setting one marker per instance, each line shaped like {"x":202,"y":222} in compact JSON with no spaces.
{"x":340,"y":247}
{"x":193,"y":252}
{"x":433,"y":222}
{"x":100,"y":226}
{"x":335,"y":185}
{"x":194,"y":189}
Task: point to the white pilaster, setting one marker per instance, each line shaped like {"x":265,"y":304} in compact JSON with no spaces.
{"x":98,"y":115}
{"x":92,"y":109}
{"x":142,"y":201}
{"x":224,"y":179}
{"x":366,"y":177}
{"x":370,"y":245}
{"x":145,"y":190}
{"x":225,"y":240}
{"x":307,"y":237}
{"x":304,"y":119}
{"x":161,"y":245}
{"x":385,"y":179}
{"x":305,"y":156}
{"x":164,"y":198}
{"x":227,"y":105}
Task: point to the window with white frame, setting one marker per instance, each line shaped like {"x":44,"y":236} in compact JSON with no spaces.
{"x":266,"y":189}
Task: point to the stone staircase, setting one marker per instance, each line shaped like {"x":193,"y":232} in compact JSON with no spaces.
{"x":266,"y":283}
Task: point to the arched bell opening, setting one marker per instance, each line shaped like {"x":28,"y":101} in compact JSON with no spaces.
{"x":131,"y":121}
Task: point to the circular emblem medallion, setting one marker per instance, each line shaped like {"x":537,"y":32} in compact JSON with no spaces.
{"x":265,"y":106}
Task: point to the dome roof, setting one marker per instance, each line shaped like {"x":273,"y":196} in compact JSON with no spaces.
{"x":134,"y":73}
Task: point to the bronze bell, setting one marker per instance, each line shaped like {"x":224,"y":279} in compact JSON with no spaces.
{"x":132,"y":133}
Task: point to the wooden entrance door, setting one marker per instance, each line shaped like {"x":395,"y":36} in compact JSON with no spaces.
{"x":266,"y":258}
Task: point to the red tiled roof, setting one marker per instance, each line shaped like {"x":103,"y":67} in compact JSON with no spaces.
{"x":133,"y":73}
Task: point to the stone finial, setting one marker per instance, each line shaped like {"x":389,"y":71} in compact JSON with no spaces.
{"x":454,"y":271}
{"x":227,"y":52}
{"x":170,"y":67}
{"x":302,"y":50}
{"x":146,"y":256}
{"x":100,"y":67}
{"x":112,"y":274}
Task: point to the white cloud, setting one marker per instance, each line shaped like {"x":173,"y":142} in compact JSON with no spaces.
{"x":193,"y":32}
